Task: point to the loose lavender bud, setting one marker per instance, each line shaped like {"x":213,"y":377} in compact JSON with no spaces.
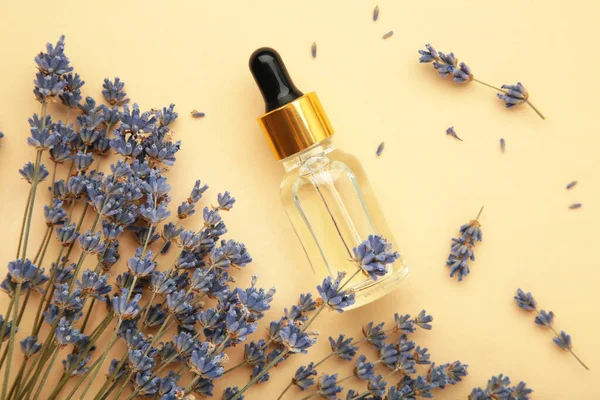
{"x":451,"y":132}
{"x":376,"y":13}
{"x":313,"y":50}
{"x":571,"y":184}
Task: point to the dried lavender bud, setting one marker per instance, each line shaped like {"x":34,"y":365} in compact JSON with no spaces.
{"x":376,"y":13}
{"x":303,"y":378}
{"x":575,"y":206}
{"x":387,"y":35}
{"x":498,"y":387}
{"x":329,"y":291}
{"x":113,"y":92}
{"x":571,"y":184}
{"x":450,"y":131}
{"x":380,"y":149}
{"x":373,"y":255}
{"x":327,"y":386}
{"x":525,"y":300}
{"x":197,"y":114}
{"x":313,"y":50}
{"x":502,"y":145}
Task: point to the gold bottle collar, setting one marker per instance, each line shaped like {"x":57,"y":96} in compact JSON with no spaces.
{"x":296,"y":126}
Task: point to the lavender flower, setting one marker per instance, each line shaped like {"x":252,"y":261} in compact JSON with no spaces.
{"x":94,"y":285}
{"x":545,"y":319}
{"x":30,"y":174}
{"x":205,"y":363}
{"x":230,"y":393}
{"x":225,"y":201}
{"x":295,"y":340}
{"x":141,"y":265}
{"x":113,"y":92}
{"x":462,"y":248}
{"x":54,"y":214}
{"x":563,"y":341}
{"x":363,"y":369}
{"x":124,"y":309}
{"x":514,"y":95}
{"x":29,"y":346}
{"x":375,"y":334}
{"x":403,"y":323}
{"x":451,"y":132}
{"x":373,"y":255}
{"x":343,"y":347}
{"x":21,"y":271}
{"x":377,"y":386}
{"x":327,"y":386}
{"x":332,"y":296}
{"x":525,"y":300}
{"x":423,"y":320}
{"x":462,"y":74}
{"x":304,"y":376}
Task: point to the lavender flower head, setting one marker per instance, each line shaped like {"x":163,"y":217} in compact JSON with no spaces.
{"x":304,"y":376}
{"x":123,"y":309}
{"x":294,"y":340}
{"x":332,"y":296}
{"x":373,"y":255}
{"x":343,"y":347}
{"x":327,"y":386}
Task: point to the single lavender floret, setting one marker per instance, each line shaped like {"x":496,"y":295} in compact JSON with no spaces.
{"x":343,"y":347}
{"x":363,"y":369}
{"x":327,"y":386}
{"x":331,"y":295}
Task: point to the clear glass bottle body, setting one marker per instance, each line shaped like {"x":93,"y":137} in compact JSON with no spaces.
{"x":330,"y":203}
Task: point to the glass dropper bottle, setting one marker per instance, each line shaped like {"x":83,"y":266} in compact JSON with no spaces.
{"x":325,"y":191}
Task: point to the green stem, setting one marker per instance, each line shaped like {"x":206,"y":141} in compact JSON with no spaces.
{"x":535,"y":109}
{"x":18,"y":378}
{"x":94,"y":365}
{"x":567,"y":348}
{"x":46,"y":298}
{"x":95,"y":335}
{"x":325,"y":359}
{"x":34,"y":186}
{"x":110,"y":378}
{"x":285,"y":351}
{"x":479,"y":214}
{"x":11,"y":341}
{"x":261,"y":374}
{"x":111,"y":388}
{"x":11,"y":303}
{"x":285,"y":390}
{"x":112,"y":341}
{"x":24,"y":221}
{"x":488,"y":85}
{"x":235,"y":367}
{"x":87,"y":315}
{"x":41,"y":254}
{"x":45,"y":377}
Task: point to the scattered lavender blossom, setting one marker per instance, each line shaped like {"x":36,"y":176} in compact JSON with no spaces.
{"x":571,"y":185}
{"x":313,"y":50}
{"x":545,"y":319}
{"x":451,"y":132}
{"x":461,"y":251}
{"x":387,"y":35}
{"x":502,"y":145}
{"x":380,"y":149}
{"x":197,"y":114}
{"x":575,"y":206}
{"x":376,"y":13}
{"x":446,"y":64}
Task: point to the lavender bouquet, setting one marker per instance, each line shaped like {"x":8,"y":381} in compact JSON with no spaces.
{"x":177,"y":315}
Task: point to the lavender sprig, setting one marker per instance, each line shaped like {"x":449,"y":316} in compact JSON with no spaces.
{"x":447,"y":65}
{"x":461,"y":251}
{"x":499,"y":387}
{"x":545,"y":319}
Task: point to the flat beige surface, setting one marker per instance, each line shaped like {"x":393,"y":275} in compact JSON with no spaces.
{"x":194,"y":53}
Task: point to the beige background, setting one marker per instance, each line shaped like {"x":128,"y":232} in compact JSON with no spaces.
{"x":194,"y":53}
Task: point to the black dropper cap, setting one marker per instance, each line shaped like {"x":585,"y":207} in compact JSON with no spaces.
{"x":272,"y":78}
